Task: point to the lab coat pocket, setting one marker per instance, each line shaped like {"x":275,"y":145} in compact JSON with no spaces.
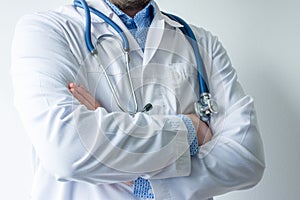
{"x":157,"y":74}
{"x":172,"y":86}
{"x":185,"y":83}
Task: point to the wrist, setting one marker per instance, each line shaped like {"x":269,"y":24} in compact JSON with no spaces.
{"x":204,"y":133}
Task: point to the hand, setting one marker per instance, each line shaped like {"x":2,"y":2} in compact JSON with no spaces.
{"x":83,"y":96}
{"x":203,"y":132}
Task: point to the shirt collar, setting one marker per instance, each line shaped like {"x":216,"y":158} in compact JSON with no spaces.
{"x":103,"y":7}
{"x":142,"y":19}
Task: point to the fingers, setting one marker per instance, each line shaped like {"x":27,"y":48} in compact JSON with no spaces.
{"x":88,"y":96}
{"x":128,"y":183}
{"x":83,"y":96}
{"x":203,"y":132}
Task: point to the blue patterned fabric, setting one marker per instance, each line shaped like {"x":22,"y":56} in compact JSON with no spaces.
{"x":139,"y":24}
{"x":142,"y":188}
{"x":192,"y":136}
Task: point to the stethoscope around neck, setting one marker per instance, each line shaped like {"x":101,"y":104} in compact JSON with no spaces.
{"x":203,"y":108}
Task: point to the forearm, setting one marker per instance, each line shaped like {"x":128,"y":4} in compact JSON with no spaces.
{"x":75,"y":143}
{"x":221,"y":171}
{"x":223,"y":164}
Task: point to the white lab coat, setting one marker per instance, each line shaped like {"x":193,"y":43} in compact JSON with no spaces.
{"x":80,"y":154}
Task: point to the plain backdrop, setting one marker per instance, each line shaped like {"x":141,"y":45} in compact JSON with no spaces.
{"x":263,"y":41}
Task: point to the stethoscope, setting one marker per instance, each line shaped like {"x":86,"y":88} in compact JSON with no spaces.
{"x":203,"y":108}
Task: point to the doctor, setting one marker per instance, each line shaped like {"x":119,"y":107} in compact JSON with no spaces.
{"x":84,"y":147}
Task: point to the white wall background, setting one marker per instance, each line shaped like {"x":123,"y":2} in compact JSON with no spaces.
{"x":263,"y":41}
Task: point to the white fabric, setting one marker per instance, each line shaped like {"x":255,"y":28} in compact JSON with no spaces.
{"x":81,"y":154}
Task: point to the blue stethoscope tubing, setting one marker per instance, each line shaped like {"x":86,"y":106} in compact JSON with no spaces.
{"x":205,"y":106}
{"x":88,"y":35}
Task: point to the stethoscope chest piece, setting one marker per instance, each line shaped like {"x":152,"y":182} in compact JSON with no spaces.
{"x":205,"y":107}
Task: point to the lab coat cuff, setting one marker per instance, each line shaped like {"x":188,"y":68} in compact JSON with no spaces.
{"x":160,"y":189}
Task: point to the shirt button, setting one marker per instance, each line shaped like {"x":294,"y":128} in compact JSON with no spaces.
{"x":128,"y":22}
{"x":139,"y":40}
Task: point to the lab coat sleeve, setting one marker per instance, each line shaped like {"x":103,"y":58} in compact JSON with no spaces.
{"x":234,"y":158}
{"x":73,"y":143}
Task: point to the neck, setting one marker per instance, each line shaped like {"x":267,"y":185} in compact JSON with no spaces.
{"x":130,"y":7}
{"x":131,"y":12}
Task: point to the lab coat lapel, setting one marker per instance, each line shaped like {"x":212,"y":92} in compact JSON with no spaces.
{"x":156,"y":34}
{"x":154,"y":37}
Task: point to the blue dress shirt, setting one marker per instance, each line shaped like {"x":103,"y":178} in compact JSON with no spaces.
{"x":139,"y":24}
